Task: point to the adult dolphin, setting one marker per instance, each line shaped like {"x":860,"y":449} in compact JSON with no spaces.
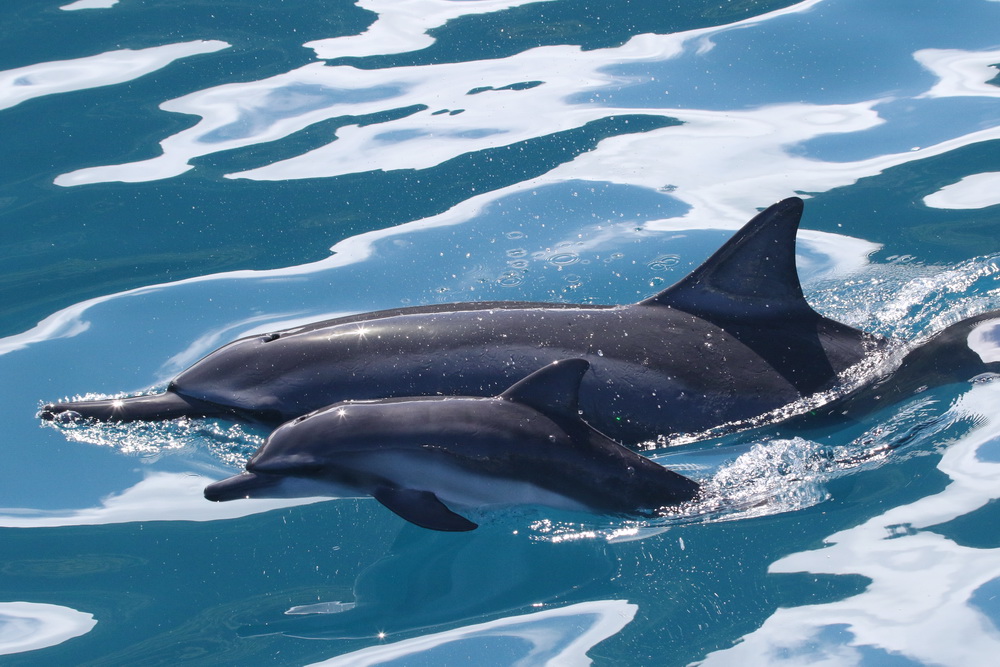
{"x":732,"y":340}
{"x":420,"y":457}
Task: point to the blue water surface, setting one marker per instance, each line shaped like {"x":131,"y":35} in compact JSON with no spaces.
{"x":178,"y":174}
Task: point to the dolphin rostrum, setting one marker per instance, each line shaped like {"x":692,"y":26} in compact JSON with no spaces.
{"x":733,"y":340}
{"x":421,"y":456}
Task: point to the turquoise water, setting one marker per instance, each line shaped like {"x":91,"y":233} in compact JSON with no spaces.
{"x":177,"y":174}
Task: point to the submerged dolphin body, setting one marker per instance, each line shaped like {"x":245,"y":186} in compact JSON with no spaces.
{"x":419,"y":456}
{"x":966,"y":350}
{"x":732,"y":340}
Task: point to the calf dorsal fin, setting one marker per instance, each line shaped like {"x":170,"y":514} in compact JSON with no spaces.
{"x":752,"y":276}
{"x":553,"y":390}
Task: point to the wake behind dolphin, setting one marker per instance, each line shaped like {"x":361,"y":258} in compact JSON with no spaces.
{"x":733,"y":340}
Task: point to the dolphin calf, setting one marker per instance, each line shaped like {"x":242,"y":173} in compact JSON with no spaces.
{"x":733,"y":340}
{"x":421,"y":456}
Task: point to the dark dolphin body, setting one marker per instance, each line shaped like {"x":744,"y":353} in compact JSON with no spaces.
{"x":733,"y":340}
{"x":419,"y":456}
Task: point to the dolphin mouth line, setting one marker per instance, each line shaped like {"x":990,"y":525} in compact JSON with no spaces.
{"x":240,"y":486}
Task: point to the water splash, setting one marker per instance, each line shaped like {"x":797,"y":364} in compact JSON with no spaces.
{"x":228,"y":444}
{"x":781,"y":475}
{"x":910,"y":300}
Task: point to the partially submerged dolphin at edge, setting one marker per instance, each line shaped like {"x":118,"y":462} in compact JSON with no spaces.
{"x":421,"y":456}
{"x":733,"y":340}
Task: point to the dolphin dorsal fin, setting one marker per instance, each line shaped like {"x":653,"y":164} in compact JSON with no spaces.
{"x":752,"y":276}
{"x":553,"y":390}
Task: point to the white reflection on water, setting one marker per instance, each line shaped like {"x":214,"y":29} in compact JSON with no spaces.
{"x":333,"y":607}
{"x":243,"y":114}
{"x":984,"y":340}
{"x":159,"y":497}
{"x":918,"y":602}
{"x":66,"y":323}
{"x":238,"y":115}
{"x":105,"y":69}
{"x":961,"y":73}
{"x":89,"y":4}
{"x":976,"y":191}
{"x":552,"y":637}
{"x":402,"y":25}
{"x":720,"y":162}
{"x":28,"y":626}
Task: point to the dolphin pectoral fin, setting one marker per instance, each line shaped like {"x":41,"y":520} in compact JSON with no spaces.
{"x":422,"y":508}
{"x":153,"y":407}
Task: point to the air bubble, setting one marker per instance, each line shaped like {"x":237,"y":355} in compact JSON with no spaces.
{"x":511,"y":279}
{"x":664,"y":262}
{"x":564,"y":259}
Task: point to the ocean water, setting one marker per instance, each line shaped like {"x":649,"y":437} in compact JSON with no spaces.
{"x":177,"y":174}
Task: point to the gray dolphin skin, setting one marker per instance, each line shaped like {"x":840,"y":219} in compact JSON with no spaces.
{"x":421,"y":456}
{"x":733,"y":340}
